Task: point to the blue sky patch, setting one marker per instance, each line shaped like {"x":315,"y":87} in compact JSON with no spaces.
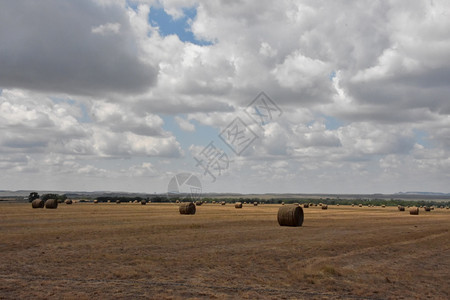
{"x":85,"y":115}
{"x":202,"y":135}
{"x":180,"y":27}
{"x":421,"y":138}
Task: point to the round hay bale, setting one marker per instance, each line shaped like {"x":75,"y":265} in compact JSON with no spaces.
{"x":68,"y":201}
{"x":353,"y":205}
{"x":414,"y":211}
{"x":214,"y":202}
{"x":305,"y":205}
{"x":223,"y":203}
{"x":401,"y":208}
{"x":238,"y":205}
{"x":51,"y":203}
{"x":432,"y":207}
{"x":427,"y":208}
{"x":95,"y":201}
{"x":290,"y":215}
{"x":178,"y":201}
{"x":320,"y":204}
{"x":117,"y":201}
{"x":198,"y":203}
{"x":143,"y":202}
{"x":109,"y":201}
{"x":282,"y":203}
{"x":324,"y":206}
{"x":187,"y":208}
{"x":383,"y":206}
{"x":337,"y":204}
{"x":37,"y":203}
{"x":255,"y":203}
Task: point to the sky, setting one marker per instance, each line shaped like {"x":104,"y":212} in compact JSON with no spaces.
{"x":249,"y":97}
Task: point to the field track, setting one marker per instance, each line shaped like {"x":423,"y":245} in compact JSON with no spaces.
{"x":133,"y":251}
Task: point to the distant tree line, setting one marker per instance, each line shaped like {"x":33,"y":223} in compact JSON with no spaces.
{"x":35,"y":195}
{"x":331,"y":201}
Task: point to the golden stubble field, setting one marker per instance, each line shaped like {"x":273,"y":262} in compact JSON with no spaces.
{"x":133,"y":251}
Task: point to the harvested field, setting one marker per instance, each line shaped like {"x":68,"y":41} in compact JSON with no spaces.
{"x":104,"y":251}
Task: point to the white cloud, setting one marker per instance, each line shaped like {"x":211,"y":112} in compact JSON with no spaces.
{"x":108,"y":28}
{"x":184,"y":124}
{"x":363,"y":88}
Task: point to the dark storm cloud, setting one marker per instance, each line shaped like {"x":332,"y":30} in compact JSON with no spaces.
{"x":61,"y":46}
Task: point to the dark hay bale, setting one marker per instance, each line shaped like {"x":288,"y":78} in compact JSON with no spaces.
{"x":214,"y":202}
{"x":68,"y":201}
{"x":353,"y":205}
{"x":255,"y":203}
{"x":290,"y":215}
{"x":320,"y":204}
{"x":383,"y":206}
{"x":414,"y":211}
{"x":198,"y":203}
{"x":223,"y":203}
{"x":324,"y":206}
{"x":187,"y":208}
{"x":305,"y":205}
{"x":95,"y":201}
{"x":360,"y":205}
{"x":37,"y":203}
{"x":401,"y":208}
{"x":118,"y":202}
{"x":51,"y":203}
{"x":143,"y":202}
{"x":238,"y":205}
{"x":427,"y":208}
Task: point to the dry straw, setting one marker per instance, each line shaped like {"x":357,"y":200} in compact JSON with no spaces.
{"x":51,"y":203}
{"x":187,"y":208}
{"x":37,"y":203}
{"x":238,"y":205}
{"x":414,"y":211}
{"x":290,"y":215}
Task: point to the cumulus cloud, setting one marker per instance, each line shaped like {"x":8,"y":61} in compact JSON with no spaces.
{"x":363,"y":89}
{"x":64,"y":46}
